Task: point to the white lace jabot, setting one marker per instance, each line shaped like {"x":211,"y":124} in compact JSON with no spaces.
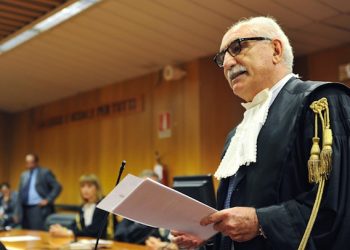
{"x":242,"y":149}
{"x":243,"y":145}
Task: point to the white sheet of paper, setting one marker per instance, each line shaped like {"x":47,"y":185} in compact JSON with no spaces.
{"x":19,"y":238}
{"x":151,"y":203}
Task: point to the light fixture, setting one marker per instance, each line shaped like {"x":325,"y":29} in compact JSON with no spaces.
{"x":48,"y":23}
{"x":20,"y":38}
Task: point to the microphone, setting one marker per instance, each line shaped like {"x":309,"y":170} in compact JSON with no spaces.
{"x":105,"y":218}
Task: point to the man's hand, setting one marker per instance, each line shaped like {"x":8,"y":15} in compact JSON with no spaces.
{"x":184,"y":240}
{"x":43,"y":203}
{"x":239,"y":223}
{"x":154,"y":243}
{"x":58,"y":231}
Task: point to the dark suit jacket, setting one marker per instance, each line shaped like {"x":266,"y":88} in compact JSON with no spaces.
{"x":80,"y":229}
{"x":10,"y":209}
{"x":133,"y":232}
{"x":46,"y":185}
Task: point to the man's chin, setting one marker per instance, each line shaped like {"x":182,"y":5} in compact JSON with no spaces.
{"x":236,"y":87}
{"x":237,"y":91}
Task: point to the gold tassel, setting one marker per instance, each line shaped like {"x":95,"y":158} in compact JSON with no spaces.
{"x":110,"y":227}
{"x":326,"y":160}
{"x":327,"y":140}
{"x":77,"y":221}
{"x":320,"y":163}
{"x":314,"y":162}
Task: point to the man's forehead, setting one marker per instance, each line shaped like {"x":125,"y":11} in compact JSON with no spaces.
{"x":29,"y":158}
{"x":232,"y":34}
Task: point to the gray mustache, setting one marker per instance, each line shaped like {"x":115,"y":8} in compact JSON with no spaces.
{"x":232,"y":73}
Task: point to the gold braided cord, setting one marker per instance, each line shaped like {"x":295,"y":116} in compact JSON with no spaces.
{"x":313,"y":216}
{"x":319,"y":164}
{"x":316,"y":126}
{"x":322,"y":120}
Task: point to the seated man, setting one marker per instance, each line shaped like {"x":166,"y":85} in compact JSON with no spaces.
{"x":133,"y":232}
{"x":8,"y":202}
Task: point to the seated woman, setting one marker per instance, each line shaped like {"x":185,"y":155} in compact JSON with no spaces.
{"x":90,"y":218}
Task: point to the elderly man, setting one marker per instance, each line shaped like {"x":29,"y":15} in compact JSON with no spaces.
{"x":273,"y":194}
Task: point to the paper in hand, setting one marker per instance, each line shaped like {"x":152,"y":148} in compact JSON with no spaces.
{"x":151,"y":203}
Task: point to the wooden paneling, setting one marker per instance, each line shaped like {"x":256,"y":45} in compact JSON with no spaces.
{"x":324,"y":65}
{"x":96,"y":146}
{"x":301,"y":67}
{"x":202,"y":110}
{"x":220,"y":111}
{"x":4,"y":145}
{"x":99,"y":145}
{"x":181,"y":99}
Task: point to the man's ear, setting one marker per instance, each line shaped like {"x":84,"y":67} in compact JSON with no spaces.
{"x":277,"y":51}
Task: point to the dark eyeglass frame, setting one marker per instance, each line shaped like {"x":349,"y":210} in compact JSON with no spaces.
{"x":234,"y":48}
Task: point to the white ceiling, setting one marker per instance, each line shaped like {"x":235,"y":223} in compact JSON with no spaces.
{"x":121,"y":39}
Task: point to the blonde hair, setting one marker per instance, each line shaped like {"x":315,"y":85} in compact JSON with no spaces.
{"x":92,"y":179}
{"x":268,"y":27}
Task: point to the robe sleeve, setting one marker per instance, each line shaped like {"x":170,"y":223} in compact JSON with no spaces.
{"x":284,"y":224}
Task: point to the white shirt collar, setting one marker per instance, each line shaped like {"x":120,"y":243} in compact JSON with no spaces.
{"x":279,"y":85}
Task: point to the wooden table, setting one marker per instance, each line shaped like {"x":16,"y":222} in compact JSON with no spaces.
{"x":49,"y":242}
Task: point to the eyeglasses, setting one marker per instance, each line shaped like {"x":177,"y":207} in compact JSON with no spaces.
{"x":234,"y":48}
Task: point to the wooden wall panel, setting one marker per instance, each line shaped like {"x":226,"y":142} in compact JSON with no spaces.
{"x":220,"y":111}
{"x":99,"y":145}
{"x":324,"y":65}
{"x":181,"y":99}
{"x":5,"y":145}
{"x":95,"y":146}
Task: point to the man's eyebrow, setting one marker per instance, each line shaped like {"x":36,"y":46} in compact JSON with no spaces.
{"x":228,"y":44}
{"x":225,"y":47}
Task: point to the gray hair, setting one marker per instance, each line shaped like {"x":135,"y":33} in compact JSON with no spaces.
{"x":268,"y":27}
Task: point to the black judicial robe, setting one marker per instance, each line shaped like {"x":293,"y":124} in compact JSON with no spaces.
{"x":277,"y":184}
{"x":80,"y":229}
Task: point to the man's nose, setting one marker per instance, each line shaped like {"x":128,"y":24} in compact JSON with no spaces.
{"x":229,"y":61}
